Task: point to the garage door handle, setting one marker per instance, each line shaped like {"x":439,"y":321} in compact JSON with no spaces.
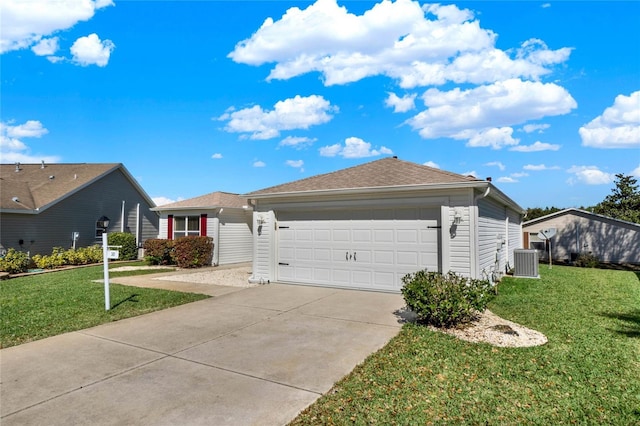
{"x":354,"y":256}
{"x":346,"y":256}
{"x":283,"y":264}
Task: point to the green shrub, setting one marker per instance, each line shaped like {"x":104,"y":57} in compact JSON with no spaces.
{"x":60,"y":257}
{"x":445,"y":300}
{"x":14,"y":262}
{"x":127,"y":241}
{"x":587,"y":260}
{"x":193,"y":252}
{"x":158,"y":252}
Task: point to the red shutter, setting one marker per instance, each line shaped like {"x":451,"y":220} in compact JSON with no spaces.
{"x":203,"y":224}
{"x":170,"y":227}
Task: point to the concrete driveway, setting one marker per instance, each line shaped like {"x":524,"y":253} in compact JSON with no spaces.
{"x":251,"y":356}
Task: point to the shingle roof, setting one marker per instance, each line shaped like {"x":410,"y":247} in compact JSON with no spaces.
{"x":211,"y":200}
{"x":579,"y":212}
{"x":386,"y":172}
{"x":35,"y":186}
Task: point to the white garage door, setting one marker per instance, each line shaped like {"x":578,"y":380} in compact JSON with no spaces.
{"x":370,"y":249}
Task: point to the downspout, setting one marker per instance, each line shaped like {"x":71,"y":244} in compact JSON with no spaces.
{"x":216,"y":238}
{"x":138,"y":224}
{"x":122,"y":218}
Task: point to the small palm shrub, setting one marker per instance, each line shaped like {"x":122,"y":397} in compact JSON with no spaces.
{"x":14,"y":262}
{"x":128,"y":249}
{"x":445,"y":300}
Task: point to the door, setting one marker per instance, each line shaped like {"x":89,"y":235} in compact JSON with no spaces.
{"x":363,"y":249}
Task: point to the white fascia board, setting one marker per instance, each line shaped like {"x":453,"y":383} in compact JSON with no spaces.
{"x":205,"y":208}
{"x":369,"y":190}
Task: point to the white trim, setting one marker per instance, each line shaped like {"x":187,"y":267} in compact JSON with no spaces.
{"x":445,"y":249}
{"x":216,"y":240}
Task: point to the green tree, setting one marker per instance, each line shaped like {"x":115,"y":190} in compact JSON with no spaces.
{"x":623,"y":202}
{"x":536,"y":212}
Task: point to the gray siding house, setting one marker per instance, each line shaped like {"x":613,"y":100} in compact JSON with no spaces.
{"x":225,"y":217}
{"x":579,"y":231}
{"x":367,"y":226}
{"x":44,"y":205}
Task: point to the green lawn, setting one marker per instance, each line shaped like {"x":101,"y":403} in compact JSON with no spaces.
{"x":588,"y":373}
{"x":38,"y":306}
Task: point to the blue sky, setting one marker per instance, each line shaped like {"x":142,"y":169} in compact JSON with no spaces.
{"x":195,"y":97}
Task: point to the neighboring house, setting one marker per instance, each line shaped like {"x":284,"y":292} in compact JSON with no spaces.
{"x":65,"y":205}
{"x":579,"y":231}
{"x":367,"y":226}
{"x":225,"y":217}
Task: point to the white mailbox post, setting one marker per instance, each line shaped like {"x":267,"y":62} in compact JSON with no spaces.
{"x":107,"y":254}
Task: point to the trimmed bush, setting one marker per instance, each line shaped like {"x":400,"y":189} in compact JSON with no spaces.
{"x":587,"y":260}
{"x":158,"y":252}
{"x":14,"y":262}
{"x":129,"y":249}
{"x":445,"y":300}
{"x":60,"y":257}
{"x":193,"y":252}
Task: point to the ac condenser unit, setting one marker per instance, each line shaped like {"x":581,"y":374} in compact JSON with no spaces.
{"x":525,"y":263}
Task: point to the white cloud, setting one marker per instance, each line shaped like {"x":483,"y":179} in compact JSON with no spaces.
{"x":539,"y":167}
{"x":297,"y":142}
{"x":590,"y":175}
{"x":636,"y":172}
{"x":30,"y":129}
{"x":353,"y":148}
{"x":403,"y":104}
{"x":495,"y":138}
{"x":216,"y":156}
{"x":431,"y":164}
{"x":161,"y":201}
{"x":290,"y":114}
{"x":530,"y":128}
{"x":507,"y":179}
{"x":535,"y":147}
{"x":617,"y":127}
{"x":296,"y":164}
{"x":46,"y":46}
{"x":470,"y":173}
{"x":545,"y":5}
{"x":90,"y":50}
{"x":26,"y":23}
{"x":416,"y":45}
{"x":497,"y":164}
{"x":519,"y":174}
{"x":13,"y":149}
{"x":461,"y":114}
{"x":259,"y":163}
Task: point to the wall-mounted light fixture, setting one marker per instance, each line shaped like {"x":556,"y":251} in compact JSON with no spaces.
{"x":457,"y":217}
{"x":260,"y":219}
{"x":103,"y":223}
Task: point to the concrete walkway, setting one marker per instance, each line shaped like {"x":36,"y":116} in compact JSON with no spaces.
{"x":250,"y":356}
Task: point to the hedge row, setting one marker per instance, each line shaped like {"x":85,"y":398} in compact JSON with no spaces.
{"x":184,"y":252}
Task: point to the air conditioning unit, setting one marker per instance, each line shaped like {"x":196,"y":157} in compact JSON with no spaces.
{"x":525,"y":263}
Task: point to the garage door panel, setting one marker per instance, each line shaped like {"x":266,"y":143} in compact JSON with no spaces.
{"x":327,"y":249}
{"x":322,"y":235}
{"x":407,"y":258}
{"x":322,"y":255}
